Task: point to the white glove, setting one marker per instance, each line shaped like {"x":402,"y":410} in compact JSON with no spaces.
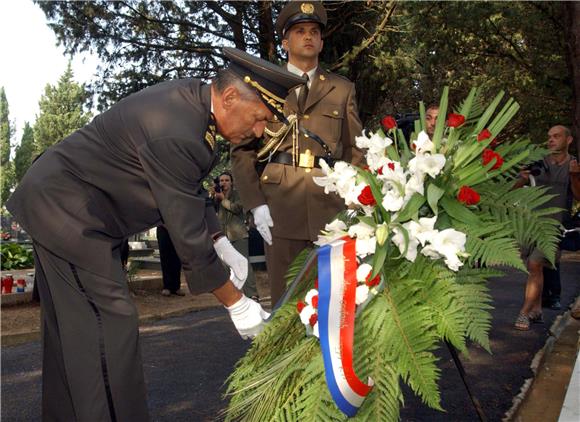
{"x":237,"y":282}
{"x":263,"y":222}
{"x":248,"y":317}
{"x":232,"y":258}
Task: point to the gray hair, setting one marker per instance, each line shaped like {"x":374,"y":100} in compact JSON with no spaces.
{"x":226,"y":78}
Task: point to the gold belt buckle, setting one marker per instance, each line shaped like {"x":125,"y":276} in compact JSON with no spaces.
{"x":306,"y":160}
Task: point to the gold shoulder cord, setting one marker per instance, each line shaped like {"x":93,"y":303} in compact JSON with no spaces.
{"x":277,"y":137}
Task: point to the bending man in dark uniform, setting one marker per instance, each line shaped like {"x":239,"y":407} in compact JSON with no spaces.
{"x":138,"y":165}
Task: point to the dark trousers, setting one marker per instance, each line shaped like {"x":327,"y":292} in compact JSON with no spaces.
{"x":91,"y":367}
{"x":279,"y":256}
{"x":552,"y":285}
{"x":170,"y":262}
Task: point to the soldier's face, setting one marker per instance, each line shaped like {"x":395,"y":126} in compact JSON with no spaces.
{"x":245,"y":117}
{"x":303,"y":41}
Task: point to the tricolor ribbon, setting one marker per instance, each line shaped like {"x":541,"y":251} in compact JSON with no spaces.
{"x":336,"y":311}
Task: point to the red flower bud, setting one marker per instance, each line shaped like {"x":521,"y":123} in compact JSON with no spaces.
{"x":389,"y":122}
{"x":374,"y":282}
{"x":483,"y":135}
{"x":315,"y":301}
{"x":366,"y":197}
{"x":455,"y":120}
{"x":489,"y":155}
{"x":313,"y":319}
{"x":468,"y":196}
{"x":300,"y":305}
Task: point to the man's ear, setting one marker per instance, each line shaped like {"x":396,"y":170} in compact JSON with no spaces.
{"x":229,"y":96}
{"x":285,"y":44}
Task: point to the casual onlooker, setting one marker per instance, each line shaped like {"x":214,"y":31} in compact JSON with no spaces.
{"x":561,"y":173}
{"x":231,"y":216}
{"x":431,"y":115}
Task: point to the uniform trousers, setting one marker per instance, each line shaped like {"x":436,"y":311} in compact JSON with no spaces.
{"x":170,"y":262}
{"x":279,"y":256}
{"x":91,"y":368}
{"x":242,"y":246}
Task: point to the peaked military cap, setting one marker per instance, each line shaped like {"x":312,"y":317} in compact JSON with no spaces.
{"x":300,"y":11}
{"x":271,"y":82}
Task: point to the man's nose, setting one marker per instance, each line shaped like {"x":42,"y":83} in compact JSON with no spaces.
{"x":259,"y":129}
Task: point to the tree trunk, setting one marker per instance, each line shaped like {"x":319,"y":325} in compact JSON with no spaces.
{"x":573,"y":59}
{"x":266,"y":31}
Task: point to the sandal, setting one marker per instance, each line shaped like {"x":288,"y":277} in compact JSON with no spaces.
{"x":536,"y":318}
{"x":522,"y":322}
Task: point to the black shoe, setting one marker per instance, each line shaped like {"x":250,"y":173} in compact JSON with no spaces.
{"x":556,"y":305}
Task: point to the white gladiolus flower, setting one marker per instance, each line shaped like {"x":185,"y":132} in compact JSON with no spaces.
{"x":311,"y":293}
{"x":422,"y":230}
{"x":336,"y":226}
{"x":378,"y":144}
{"x":362,"y":293}
{"x":423,"y":143}
{"x":427,"y":164}
{"x":448,"y":243}
{"x":351,"y":194}
{"x":399,"y":241}
{"x":393,"y":201}
{"x":333,"y":231}
{"x":306,"y":313}
{"x":363,"y":272}
{"x":414,"y":185}
{"x":361,"y":231}
{"x":338,"y":179}
{"x":365,"y":247}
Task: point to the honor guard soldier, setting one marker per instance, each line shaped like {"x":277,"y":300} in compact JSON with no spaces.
{"x":289,"y":209}
{"x":136,"y":166}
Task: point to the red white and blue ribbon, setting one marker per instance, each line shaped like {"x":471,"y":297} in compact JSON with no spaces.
{"x":336,"y":311}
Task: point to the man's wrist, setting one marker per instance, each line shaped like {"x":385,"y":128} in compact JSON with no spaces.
{"x":216,"y":236}
{"x":227,"y":294}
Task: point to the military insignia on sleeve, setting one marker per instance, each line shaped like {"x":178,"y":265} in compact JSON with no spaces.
{"x":307,"y":8}
{"x":211,"y":133}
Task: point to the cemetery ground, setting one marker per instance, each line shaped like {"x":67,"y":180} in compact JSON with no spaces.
{"x":189,"y":348}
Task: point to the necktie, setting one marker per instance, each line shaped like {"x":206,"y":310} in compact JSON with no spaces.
{"x":211,"y":132}
{"x":303,"y":94}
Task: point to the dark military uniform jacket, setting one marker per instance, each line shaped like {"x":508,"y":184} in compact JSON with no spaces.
{"x":298,"y":206}
{"x":138,"y":165}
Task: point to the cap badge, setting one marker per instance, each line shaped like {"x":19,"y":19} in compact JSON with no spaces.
{"x":307,"y":8}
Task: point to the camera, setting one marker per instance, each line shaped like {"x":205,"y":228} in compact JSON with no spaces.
{"x":536,"y":168}
{"x":216,"y":185}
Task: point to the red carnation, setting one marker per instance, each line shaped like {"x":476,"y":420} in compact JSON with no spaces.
{"x":389,"y":122}
{"x":483,"y":135}
{"x":374,"y":282}
{"x":315,"y":301}
{"x":490,"y":154}
{"x":313,"y":319}
{"x":300,"y":305}
{"x":366,"y":197}
{"x":455,"y":120}
{"x":468,"y":196}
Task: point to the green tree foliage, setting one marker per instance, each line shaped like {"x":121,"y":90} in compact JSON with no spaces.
{"x":61,"y":111}
{"x":396,"y":52}
{"x":6,"y":132}
{"x":24,"y":152}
